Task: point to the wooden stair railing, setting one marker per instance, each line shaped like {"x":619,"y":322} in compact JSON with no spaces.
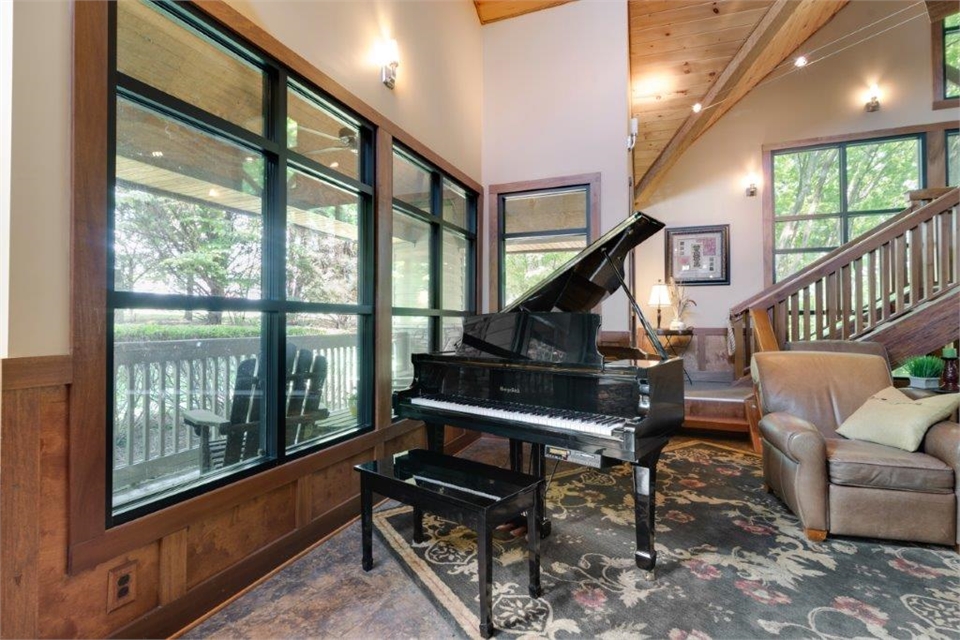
{"x":875,"y":279}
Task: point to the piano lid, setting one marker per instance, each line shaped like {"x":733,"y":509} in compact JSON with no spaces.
{"x":587,"y":279}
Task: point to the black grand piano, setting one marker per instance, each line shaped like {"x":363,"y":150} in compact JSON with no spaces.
{"x":533,"y":373}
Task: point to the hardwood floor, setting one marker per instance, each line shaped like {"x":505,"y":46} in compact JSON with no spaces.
{"x":325,"y":593}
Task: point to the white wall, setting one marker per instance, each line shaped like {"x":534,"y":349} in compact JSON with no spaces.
{"x":825,"y":98}
{"x":555,"y":104}
{"x":6,"y":84}
{"x":437,"y":98}
{"x":39,"y":227}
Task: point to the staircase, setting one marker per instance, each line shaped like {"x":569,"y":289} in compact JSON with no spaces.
{"x":898,"y":284}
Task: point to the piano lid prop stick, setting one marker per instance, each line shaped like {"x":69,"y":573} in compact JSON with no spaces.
{"x":661,"y":351}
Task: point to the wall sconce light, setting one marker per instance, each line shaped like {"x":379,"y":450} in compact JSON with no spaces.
{"x":389,"y":61}
{"x":873,"y":104}
{"x":750,"y":185}
{"x":632,"y":138}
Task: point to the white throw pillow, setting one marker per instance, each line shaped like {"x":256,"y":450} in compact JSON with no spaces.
{"x":892,"y":418}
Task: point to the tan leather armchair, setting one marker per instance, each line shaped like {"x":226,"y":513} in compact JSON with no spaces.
{"x":849,"y":487}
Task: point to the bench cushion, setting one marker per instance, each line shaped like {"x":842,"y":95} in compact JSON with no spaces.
{"x":864,"y":464}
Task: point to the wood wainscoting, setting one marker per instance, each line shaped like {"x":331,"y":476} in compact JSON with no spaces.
{"x":225,"y":541}
{"x":705,"y":358}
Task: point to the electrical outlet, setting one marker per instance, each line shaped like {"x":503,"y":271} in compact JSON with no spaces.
{"x":121,"y":585}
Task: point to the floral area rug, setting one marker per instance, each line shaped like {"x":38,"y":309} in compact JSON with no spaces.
{"x":732,"y":563}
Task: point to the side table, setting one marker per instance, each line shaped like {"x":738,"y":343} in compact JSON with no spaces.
{"x":676,"y":342}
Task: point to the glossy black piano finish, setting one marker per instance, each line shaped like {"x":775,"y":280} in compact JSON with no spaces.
{"x":533,"y":373}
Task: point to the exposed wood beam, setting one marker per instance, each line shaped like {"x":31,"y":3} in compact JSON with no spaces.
{"x":493,"y":10}
{"x":785,"y":26}
{"x":940,"y":9}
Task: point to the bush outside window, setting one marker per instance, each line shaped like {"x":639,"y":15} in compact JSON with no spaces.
{"x":951,"y":56}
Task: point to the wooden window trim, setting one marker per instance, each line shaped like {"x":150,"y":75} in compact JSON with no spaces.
{"x":492,"y":244}
{"x":934,"y":165}
{"x":936,"y":59}
{"x":89,"y":540}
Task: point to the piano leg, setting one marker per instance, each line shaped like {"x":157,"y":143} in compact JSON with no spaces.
{"x":538,"y":462}
{"x":645,"y":501}
{"x":434,"y":436}
{"x":516,"y":455}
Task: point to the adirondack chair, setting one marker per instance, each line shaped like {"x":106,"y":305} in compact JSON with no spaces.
{"x":227,"y":441}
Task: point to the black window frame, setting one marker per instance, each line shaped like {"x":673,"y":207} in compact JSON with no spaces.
{"x":502,"y":236}
{"x":844,"y":215}
{"x":435,"y":311}
{"x":945,"y":31}
{"x":272,"y":305}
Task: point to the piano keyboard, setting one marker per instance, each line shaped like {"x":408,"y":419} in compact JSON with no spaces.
{"x":541,"y":416}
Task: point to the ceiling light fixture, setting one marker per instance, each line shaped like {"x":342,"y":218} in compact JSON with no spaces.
{"x":800,"y":62}
{"x":156,"y":154}
{"x":697,"y":108}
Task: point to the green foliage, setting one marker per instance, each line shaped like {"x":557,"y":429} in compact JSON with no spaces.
{"x":924,"y":367}
{"x":522,"y":271}
{"x":154,"y":332}
{"x":951,"y":57}
{"x":953,"y":158}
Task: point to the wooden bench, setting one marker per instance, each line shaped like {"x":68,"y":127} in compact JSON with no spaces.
{"x":471,"y":493}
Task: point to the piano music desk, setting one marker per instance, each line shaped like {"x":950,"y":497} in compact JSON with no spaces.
{"x":471,"y":493}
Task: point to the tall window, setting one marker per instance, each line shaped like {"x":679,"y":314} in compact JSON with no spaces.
{"x":951,"y":56}
{"x":827,"y":195}
{"x":240,"y":309}
{"x":540,"y":230}
{"x":434,"y":244}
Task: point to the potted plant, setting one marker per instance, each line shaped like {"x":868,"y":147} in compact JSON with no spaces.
{"x":924,"y":371}
{"x":352,"y":404}
{"x":679,"y":301}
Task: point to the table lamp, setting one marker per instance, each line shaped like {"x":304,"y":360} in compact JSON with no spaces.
{"x":659,"y":298}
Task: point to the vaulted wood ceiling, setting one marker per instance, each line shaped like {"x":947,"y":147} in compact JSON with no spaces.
{"x":493,"y":10}
{"x":684,"y":52}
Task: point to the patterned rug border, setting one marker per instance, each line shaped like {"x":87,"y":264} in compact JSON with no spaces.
{"x":444,"y":599}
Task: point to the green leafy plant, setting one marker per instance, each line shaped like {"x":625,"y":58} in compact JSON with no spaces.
{"x":924,"y":367}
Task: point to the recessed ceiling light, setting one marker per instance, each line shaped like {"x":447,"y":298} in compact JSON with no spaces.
{"x":213,"y":193}
{"x":697,"y":107}
{"x":800,"y":62}
{"x":334,"y":165}
{"x":157,"y":154}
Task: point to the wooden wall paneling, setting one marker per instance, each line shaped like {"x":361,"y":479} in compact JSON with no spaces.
{"x":218,"y":541}
{"x":31,"y":373}
{"x":936,"y":145}
{"x":19,"y":518}
{"x":88,"y":413}
{"x":410,"y":440}
{"x":74,"y":605}
{"x":304,"y":513}
{"x":173,"y":567}
{"x":337,"y":483}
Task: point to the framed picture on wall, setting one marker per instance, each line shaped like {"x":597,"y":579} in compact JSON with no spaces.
{"x":698,"y":255}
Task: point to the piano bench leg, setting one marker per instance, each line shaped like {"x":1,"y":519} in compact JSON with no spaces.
{"x":417,"y":524}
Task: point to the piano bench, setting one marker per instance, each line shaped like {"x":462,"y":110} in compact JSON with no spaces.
{"x":470,"y":493}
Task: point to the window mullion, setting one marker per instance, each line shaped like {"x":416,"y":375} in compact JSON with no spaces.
{"x":274,"y":266}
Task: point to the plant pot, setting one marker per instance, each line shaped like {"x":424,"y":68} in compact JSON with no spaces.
{"x":924,"y":383}
{"x":678,"y":325}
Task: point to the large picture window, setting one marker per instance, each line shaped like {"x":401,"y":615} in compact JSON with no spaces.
{"x":239,"y":292}
{"x":540,"y":230}
{"x":434,"y":247}
{"x":826,"y":195}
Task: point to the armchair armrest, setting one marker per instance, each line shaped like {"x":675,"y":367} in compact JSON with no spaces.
{"x":943,"y":443}
{"x":795,"y":437}
{"x":201,"y":419}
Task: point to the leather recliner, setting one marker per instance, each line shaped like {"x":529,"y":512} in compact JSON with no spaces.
{"x":850,"y":487}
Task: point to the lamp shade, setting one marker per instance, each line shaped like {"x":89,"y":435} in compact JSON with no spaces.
{"x":660,"y":295}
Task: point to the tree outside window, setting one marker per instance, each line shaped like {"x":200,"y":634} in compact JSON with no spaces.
{"x":826,"y":196}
